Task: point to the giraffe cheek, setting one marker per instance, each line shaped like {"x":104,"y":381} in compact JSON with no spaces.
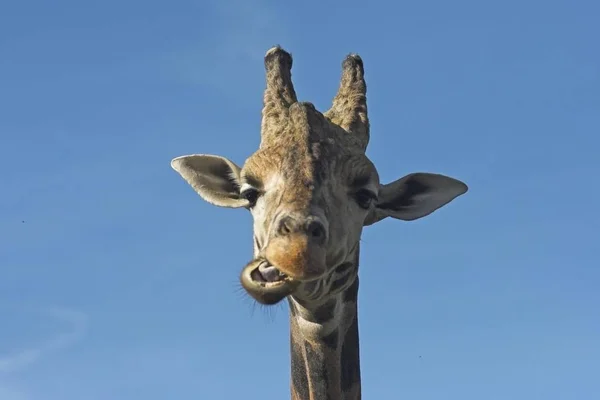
{"x":297,"y":257}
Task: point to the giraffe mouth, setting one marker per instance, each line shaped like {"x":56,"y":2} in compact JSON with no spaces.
{"x":267,"y":274}
{"x":265,"y":283}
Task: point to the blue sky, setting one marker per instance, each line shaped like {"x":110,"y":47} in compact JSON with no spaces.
{"x":118,"y":282}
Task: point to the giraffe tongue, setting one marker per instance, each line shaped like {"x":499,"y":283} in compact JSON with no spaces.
{"x":269,"y":273}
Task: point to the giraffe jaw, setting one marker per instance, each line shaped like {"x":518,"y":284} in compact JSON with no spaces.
{"x":265,"y":283}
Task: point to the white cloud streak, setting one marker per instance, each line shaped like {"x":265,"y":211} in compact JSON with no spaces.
{"x":20,"y":360}
{"x":8,"y":392}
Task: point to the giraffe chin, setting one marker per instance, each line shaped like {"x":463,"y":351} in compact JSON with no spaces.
{"x":265,"y":283}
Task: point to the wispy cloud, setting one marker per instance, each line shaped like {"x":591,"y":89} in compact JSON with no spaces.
{"x":20,"y":360}
{"x":9,"y":393}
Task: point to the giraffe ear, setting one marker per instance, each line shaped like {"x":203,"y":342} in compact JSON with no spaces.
{"x":214,"y":178}
{"x":415,"y":196}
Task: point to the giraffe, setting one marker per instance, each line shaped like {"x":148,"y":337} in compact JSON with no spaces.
{"x":311,"y":189}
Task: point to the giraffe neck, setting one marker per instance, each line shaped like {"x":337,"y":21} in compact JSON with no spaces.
{"x":325,"y":348}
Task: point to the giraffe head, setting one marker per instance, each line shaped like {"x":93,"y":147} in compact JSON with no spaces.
{"x":310,"y":187}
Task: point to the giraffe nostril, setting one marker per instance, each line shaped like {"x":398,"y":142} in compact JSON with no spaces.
{"x":285,"y":226}
{"x":316,"y":231}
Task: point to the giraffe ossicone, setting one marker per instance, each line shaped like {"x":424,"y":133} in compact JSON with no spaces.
{"x":311,"y":189}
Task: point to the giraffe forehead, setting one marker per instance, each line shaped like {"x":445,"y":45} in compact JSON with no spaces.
{"x":304,"y":166}
{"x":303,"y":148}
{"x":297,"y":162}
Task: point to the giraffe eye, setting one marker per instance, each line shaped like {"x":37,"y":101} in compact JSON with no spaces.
{"x":251,"y":195}
{"x":364,"y":198}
